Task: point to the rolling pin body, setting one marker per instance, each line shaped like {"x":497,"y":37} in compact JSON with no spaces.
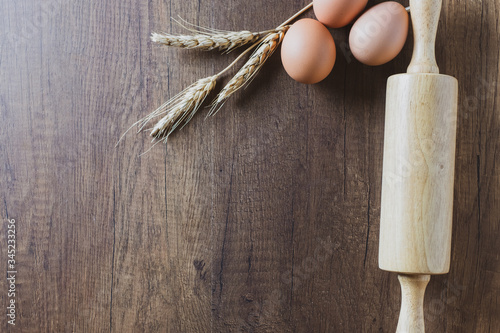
{"x":418,"y":173}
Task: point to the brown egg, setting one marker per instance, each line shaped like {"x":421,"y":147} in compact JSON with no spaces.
{"x":379,"y":34}
{"x":308,"y":51}
{"x":337,"y":13}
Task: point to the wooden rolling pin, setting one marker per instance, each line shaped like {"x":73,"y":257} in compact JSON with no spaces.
{"x":418,"y":169}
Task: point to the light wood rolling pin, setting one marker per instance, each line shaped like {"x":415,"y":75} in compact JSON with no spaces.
{"x":418,"y":169}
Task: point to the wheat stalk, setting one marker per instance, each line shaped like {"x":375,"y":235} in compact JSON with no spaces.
{"x":181,"y":108}
{"x":250,"y":68}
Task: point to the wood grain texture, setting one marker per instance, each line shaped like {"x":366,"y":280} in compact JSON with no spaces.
{"x":264,"y":218}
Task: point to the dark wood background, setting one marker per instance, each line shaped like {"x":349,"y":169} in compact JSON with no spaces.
{"x":264,"y":218}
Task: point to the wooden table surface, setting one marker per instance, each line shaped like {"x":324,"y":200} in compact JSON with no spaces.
{"x":264,"y":218}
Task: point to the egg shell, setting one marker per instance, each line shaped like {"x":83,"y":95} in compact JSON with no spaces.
{"x":379,"y":34}
{"x":337,"y":13}
{"x":308,"y":51}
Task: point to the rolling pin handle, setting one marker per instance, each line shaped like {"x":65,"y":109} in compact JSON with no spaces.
{"x":425,"y":18}
{"x":411,"y":317}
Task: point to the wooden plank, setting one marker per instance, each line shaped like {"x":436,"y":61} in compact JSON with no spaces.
{"x":264,"y":218}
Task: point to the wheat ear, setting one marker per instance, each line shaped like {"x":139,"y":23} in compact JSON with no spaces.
{"x":250,"y":68}
{"x":180,"y":109}
{"x":225,"y":41}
